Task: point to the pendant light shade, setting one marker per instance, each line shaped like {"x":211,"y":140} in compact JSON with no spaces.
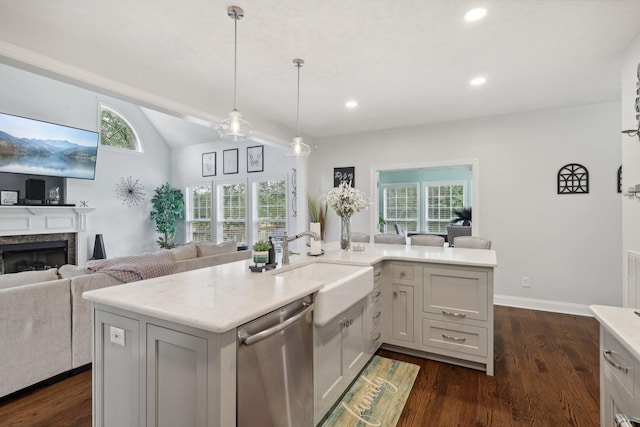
{"x":298,"y":148}
{"x":235,"y":127}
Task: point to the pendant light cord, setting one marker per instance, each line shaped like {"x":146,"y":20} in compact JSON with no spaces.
{"x":235,"y":60}
{"x":298,"y":103}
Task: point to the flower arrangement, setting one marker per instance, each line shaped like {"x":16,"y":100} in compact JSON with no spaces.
{"x":346,"y":200}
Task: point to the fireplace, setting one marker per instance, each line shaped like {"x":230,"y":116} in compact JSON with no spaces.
{"x":36,"y":251}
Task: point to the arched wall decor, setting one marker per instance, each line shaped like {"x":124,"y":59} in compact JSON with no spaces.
{"x":573,"y":178}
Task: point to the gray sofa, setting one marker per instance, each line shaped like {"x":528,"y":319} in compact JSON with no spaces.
{"x":46,"y":326}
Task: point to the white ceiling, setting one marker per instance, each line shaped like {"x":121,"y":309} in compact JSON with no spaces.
{"x":406,"y":62}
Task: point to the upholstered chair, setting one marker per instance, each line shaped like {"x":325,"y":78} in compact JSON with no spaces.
{"x":395,"y":239}
{"x":472,"y":242}
{"x":360,"y":237}
{"x":427,"y":240}
{"x":454,"y":231}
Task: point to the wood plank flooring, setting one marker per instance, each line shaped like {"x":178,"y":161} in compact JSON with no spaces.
{"x":546,"y":375}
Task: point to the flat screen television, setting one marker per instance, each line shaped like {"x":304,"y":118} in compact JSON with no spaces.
{"x":34,"y":147}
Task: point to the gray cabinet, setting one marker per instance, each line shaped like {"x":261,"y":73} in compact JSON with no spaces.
{"x":340,"y":352}
{"x":443,"y":312}
{"x":150,"y":372}
{"x":619,"y":380}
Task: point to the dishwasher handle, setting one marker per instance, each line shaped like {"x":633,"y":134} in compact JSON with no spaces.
{"x":247,"y":339}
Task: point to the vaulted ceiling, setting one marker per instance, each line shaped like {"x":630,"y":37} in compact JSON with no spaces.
{"x":406,"y":62}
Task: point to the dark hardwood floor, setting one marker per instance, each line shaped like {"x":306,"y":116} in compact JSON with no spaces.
{"x":546,"y":374}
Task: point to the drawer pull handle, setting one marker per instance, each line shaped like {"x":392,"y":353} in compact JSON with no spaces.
{"x":452,"y":314}
{"x":402,"y":273}
{"x":378,"y":314}
{"x":377,"y":294}
{"x":606,"y":354}
{"x":450,"y":338}
{"x":378,"y":335}
{"x":377,"y":273}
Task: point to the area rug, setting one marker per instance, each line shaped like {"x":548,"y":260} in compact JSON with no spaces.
{"x":376,"y":397}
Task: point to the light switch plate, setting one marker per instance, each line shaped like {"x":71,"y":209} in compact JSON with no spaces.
{"x":116,"y":335}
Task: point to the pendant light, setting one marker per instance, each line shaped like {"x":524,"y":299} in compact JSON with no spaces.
{"x":298,"y":148}
{"x":234,"y":127}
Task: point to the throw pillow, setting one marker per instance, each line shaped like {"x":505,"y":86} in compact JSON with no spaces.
{"x":27,"y":277}
{"x":208,"y":249}
{"x":181,"y":253}
{"x":69,"y":271}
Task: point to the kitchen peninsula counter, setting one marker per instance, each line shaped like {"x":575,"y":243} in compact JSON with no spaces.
{"x":223,"y":297}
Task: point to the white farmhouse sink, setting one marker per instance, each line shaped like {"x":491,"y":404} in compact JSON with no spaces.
{"x":344,"y":285}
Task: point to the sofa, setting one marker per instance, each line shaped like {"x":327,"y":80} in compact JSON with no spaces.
{"x":46,"y":326}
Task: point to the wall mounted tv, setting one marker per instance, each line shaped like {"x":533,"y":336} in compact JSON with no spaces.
{"x":34,"y":147}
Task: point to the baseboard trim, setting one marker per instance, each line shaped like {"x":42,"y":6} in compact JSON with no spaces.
{"x":544,"y":305}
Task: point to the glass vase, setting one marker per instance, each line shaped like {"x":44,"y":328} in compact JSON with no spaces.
{"x":345,"y":233}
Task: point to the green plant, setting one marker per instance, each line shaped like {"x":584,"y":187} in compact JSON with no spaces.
{"x":381,"y":223}
{"x":463,"y":216}
{"x":261,"y":245}
{"x":168,"y":208}
{"x":318,"y":213}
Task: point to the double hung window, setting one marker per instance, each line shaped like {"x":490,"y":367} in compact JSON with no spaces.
{"x":442,"y":198}
{"x":269,"y":208}
{"x":199,"y":212}
{"x":401,"y":206}
{"x":231,"y":212}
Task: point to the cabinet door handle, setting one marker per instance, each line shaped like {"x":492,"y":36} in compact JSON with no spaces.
{"x":402,"y":273}
{"x":377,"y":294}
{"x":377,"y":337}
{"x":450,"y":338}
{"x":377,"y":273}
{"x":606,"y":354}
{"x":452,"y":314}
{"x":378,"y":314}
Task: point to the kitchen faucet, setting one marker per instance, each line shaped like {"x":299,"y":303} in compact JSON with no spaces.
{"x":286,"y":240}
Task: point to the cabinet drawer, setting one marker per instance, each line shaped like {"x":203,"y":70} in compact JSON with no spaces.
{"x":618,"y":363}
{"x":455,"y":294}
{"x":461,"y":338}
{"x":401,"y":272}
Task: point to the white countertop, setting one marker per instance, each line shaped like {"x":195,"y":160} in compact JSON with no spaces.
{"x":224,"y":297}
{"x":622,"y":323}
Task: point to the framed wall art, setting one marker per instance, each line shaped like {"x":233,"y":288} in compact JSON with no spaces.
{"x":341,"y":175}
{"x":255,"y":159}
{"x":209,"y":164}
{"x":9,"y":197}
{"x":230,"y":161}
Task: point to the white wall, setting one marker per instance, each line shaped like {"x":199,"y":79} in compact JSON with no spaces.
{"x":569,"y":245}
{"x":630,"y":150}
{"x":126,"y":230}
{"x":186,"y":166}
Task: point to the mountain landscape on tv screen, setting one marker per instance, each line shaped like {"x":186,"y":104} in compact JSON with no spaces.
{"x":46,"y":157}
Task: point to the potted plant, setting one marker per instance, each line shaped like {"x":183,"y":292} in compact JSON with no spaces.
{"x":462,"y":217}
{"x":381,"y":223}
{"x":168,"y":208}
{"x":261,"y":252}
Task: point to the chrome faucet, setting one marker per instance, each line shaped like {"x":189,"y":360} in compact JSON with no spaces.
{"x":286,"y":240}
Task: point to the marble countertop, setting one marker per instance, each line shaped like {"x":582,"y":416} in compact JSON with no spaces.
{"x":622,"y":323}
{"x":224,"y":297}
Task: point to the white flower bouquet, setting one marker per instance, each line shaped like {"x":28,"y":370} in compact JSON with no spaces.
{"x":346,"y":200}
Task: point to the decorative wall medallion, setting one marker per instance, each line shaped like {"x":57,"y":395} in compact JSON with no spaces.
{"x":130,"y":191}
{"x":573,"y":178}
{"x":636,"y":132}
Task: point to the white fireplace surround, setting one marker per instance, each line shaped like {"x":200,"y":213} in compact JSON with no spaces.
{"x":22,"y":220}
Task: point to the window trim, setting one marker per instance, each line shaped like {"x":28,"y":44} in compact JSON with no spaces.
{"x":388,"y":185}
{"x":428,"y":184}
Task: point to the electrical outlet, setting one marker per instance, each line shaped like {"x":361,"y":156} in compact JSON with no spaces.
{"x":525,"y":282}
{"x":116,"y":335}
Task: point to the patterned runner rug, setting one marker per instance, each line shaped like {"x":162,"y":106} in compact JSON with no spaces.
{"x":376,"y":397}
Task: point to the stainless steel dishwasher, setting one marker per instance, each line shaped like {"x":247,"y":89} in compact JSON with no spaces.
{"x":275,"y":368}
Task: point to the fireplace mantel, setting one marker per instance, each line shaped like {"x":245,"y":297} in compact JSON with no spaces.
{"x":19,"y":220}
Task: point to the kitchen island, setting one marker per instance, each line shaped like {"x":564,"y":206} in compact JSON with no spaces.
{"x":165,"y":348}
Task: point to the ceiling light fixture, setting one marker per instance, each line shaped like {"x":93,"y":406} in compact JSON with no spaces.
{"x":234,"y":127}
{"x":478,"y":81}
{"x":298,"y":148}
{"x":475,"y":14}
{"x":351,"y":104}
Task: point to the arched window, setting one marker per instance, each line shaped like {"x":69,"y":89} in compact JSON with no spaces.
{"x":116,"y":132}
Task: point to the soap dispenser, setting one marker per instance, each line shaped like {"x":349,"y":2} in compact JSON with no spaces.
{"x":272,"y":253}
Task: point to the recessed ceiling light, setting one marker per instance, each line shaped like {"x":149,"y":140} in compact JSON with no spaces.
{"x":475,"y":14}
{"x":351,"y":104}
{"x":478,"y":81}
